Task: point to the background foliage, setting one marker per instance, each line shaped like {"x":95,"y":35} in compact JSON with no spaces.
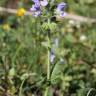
{"x":23,"y":53}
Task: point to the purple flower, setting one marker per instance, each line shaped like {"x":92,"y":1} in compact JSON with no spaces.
{"x":35,"y":1}
{"x":60,"y":9}
{"x":62,"y":14}
{"x":52,"y":57}
{"x":36,"y":14}
{"x":61,"y":6}
{"x":36,"y":11}
{"x":44,"y":3}
{"x":41,"y":2}
{"x":36,"y":7}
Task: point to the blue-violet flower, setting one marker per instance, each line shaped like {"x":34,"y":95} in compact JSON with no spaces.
{"x":36,"y":7}
{"x":60,"y":9}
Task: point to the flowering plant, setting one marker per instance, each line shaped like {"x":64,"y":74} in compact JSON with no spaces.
{"x":38,"y":4}
{"x":43,"y":55}
{"x":42,"y":8}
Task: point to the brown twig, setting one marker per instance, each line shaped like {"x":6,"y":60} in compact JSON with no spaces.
{"x":68,"y":16}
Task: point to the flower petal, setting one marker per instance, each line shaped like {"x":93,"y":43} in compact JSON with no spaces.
{"x":35,"y":1}
{"x":36,"y":14}
{"x":62,"y":14}
{"x":44,"y":3}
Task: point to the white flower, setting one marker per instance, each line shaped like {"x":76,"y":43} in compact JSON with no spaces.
{"x":83,"y":38}
{"x":72,"y":22}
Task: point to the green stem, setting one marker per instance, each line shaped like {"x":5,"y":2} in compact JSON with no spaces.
{"x":20,"y":92}
{"x":21,"y":86}
{"x":48,"y":60}
{"x":16,"y":53}
{"x":46,"y":91}
{"x":48,"y":69}
{"x":48,"y":65}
